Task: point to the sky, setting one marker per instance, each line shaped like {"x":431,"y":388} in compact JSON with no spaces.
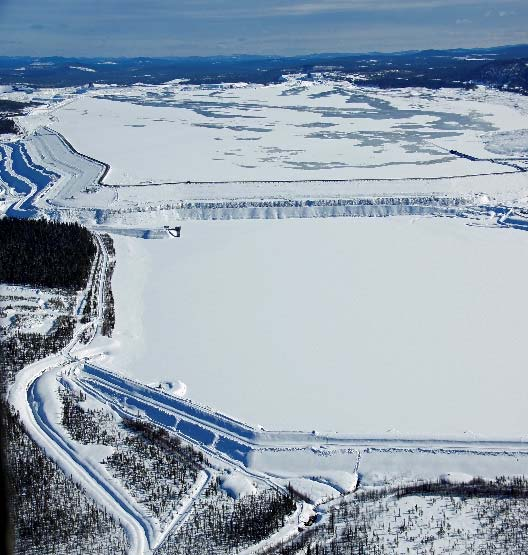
{"x":277,"y":27}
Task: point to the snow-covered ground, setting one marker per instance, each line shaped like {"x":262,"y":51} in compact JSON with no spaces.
{"x":424,"y":524}
{"x":27,"y":310}
{"x":408,"y":326}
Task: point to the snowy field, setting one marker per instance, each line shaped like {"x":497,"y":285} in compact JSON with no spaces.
{"x":296,"y":130}
{"x":381,"y":326}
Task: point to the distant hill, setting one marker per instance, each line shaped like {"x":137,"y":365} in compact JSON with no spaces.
{"x":503,"y":67}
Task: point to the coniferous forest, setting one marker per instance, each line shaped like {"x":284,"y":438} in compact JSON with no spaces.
{"x":7,"y":125}
{"x":50,"y":513}
{"x":42,"y":253}
{"x":10,"y":108}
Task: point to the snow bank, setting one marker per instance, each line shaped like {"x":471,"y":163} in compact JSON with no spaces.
{"x":390,"y":466}
{"x":237,"y":485}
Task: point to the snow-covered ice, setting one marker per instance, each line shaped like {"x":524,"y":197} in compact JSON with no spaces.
{"x":294,"y":130}
{"x":386,"y":325}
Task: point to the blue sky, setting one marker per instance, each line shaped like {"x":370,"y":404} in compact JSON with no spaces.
{"x":223,"y":27}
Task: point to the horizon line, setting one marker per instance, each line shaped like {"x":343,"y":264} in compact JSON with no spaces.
{"x":270,"y":56}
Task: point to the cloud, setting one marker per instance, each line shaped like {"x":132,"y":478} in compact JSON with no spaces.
{"x":204,"y":27}
{"x":320,"y":7}
{"x":499,"y":13}
{"x":229,"y":9}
